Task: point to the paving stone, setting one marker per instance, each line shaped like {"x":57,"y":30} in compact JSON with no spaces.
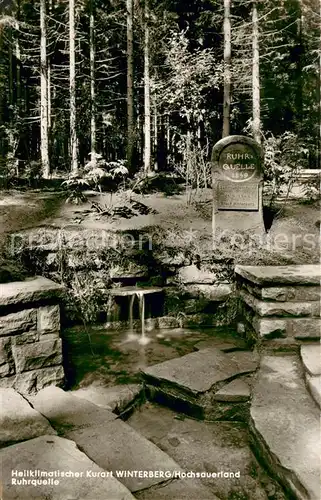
{"x":286,"y":426}
{"x":281,"y":308}
{"x":65,"y":411}
{"x":20,"y":322}
{"x":37,"y":355}
{"x":314,"y":384}
{"x":220,"y":344}
{"x":281,"y":275}
{"x":200,"y":371}
{"x":116,"y":446}
{"x":235,"y":391}
{"x":18,"y":420}
{"x":182,"y":489}
{"x":112,"y":398}
{"x":53,"y":453}
{"x":187,"y":384}
{"x":32,"y":290}
{"x":311,"y":358}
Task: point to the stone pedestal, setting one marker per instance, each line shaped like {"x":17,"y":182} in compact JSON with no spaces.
{"x":30,"y":344}
{"x":237,"y":186}
{"x":280,"y":303}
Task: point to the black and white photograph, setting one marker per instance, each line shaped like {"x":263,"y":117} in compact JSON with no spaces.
{"x":160,"y":166}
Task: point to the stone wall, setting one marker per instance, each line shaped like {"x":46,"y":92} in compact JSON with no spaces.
{"x":30,"y":344}
{"x":280,"y":303}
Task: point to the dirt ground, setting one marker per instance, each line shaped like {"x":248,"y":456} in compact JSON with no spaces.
{"x":293,"y":238}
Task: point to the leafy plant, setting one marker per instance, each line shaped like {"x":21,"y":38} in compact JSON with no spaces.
{"x":284,"y":157}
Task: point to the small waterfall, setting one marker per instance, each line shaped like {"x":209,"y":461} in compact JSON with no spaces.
{"x":141,"y":297}
{"x":132,"y":293}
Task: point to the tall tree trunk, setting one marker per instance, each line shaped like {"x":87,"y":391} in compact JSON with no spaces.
{"x":320,"y":89}
{"x":44,"y":145}
{"x":72,"y":88}
{"x":155,"y":134}
{"x":147,"y":129}
{"x":92,"y":84}
{"x":256,"y":124}
{"x":130,"y":85}
{"x":227,"y":68}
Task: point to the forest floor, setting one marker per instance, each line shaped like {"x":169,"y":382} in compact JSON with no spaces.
{"x":294,"y":235}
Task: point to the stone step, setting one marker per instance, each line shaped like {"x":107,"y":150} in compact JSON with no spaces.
{"x":314,"y":386}
{"x":83,"y":479}
{"x":189,"y":383}
{"x":117,"y":399}
{"x":285,"y":425}
{"x":311,"y":358}
{"x":18,"y":420}
{"x":206,"y":449}
{"x":108,"y":441}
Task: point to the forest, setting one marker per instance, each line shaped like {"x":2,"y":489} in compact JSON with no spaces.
{"x":150,"y":85}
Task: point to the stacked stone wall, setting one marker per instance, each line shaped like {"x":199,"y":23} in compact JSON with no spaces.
{"x":30,"y":343}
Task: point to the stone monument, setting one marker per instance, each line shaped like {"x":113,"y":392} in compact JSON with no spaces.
{"x":237,"y":186}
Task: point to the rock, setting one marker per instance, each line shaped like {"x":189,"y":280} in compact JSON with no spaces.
{"x":181,"y":489}
{"x":281,"y":308}
{"x":213,"y":293}
{"x":53,"y":453}
{"x":285,"y":426}
{"x":247,"y":361}
{"x":270,"y":327}
{"x":304,"y":328}
{"x":32,"y":290}
{"x":285,"y":293}
{"x":281,"y":275}
{"x":199,"y":371}
{"x":112,"y":398}
{"x":235,"y":391}
{"x":115,"y":446}
{"x":37,"y":355}
{"x":187,"y":384}
{"x":221,"y":344}
{"x":48,"y":320}
{"x":191,"y":274}
{"x":32,"y":381}
{"x":20,"y":322}
{"x":66,"y":411}
{"x":18,"y":420}
{"x":314,"y":385}
{"x":132,"y":270}
{"x":311,"y":358}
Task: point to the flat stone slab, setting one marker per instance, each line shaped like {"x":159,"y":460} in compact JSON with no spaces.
{"x":112,"y":398}
{"x":115,"y":446}
{"x":66,"y":412}
{"x":83,"y":479}
{"x":311,"y":358}
{"x":191,"y":275}
{"x":277,"y":309}
{"x":314,"y":385}
{"x":286,"y":425}
{"x":199,"y":371}
{"x":182,"y":489}
{"x":235,"y":391}
{"x":127,"y":291}
{"x":281,"y":275}
{"x":18,"y":420}
{"x":108,"y":441}
{"x":24,"y":292}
